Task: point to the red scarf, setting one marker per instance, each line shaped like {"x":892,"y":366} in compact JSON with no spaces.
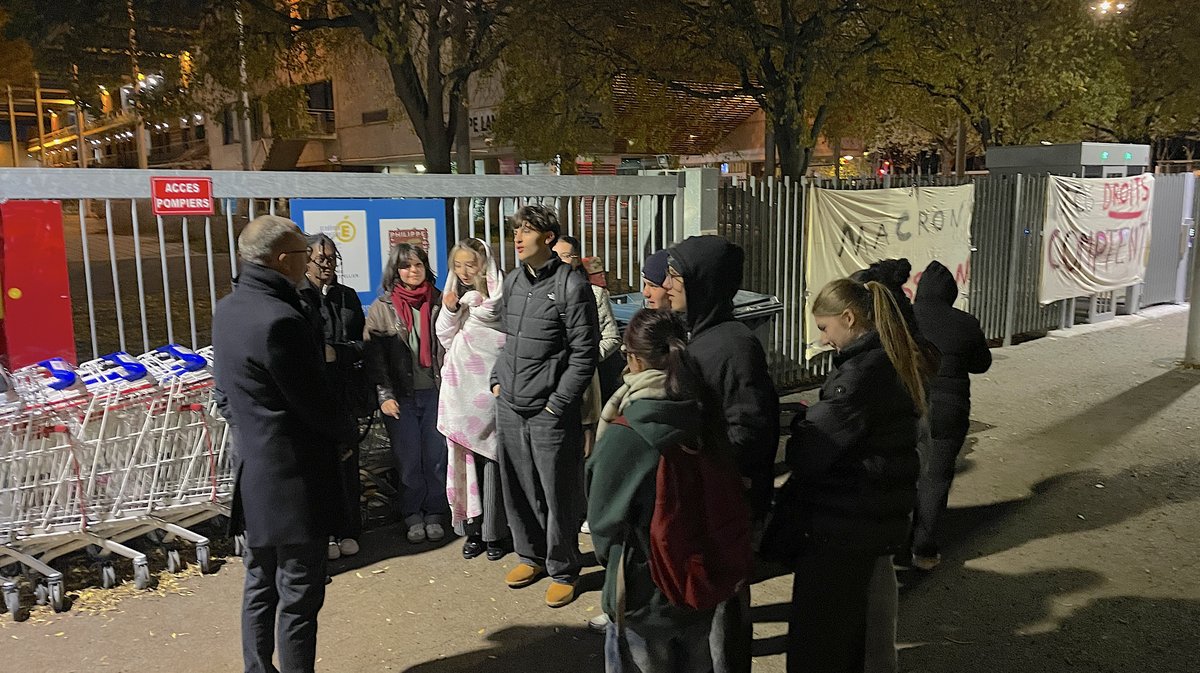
{"x":404,"y":301}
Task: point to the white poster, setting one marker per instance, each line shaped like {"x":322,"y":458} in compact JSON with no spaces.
{"x":848,"y":230}
{"x":1097,"y":235}
{"x":348,"y":228}
{"x":421,"y":232}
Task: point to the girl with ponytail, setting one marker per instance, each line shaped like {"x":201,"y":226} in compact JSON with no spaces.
{"x":654,"y":411}
{"x":846,"y":507}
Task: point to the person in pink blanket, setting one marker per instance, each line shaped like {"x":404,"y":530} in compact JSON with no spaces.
{"x":469,"y":330}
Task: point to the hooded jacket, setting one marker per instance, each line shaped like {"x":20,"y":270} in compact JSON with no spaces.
{"x":956,"y":333}
{"x":854,"y":454}
{"x":731,"y":360}
{"x":621,"y":474}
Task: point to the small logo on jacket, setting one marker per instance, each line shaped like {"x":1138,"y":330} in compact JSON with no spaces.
{"x":550,"y":296}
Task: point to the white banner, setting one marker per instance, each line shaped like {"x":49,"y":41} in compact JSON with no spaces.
{"x":348,"y":228}
{"x":848,"y":230}
{"x":1097,"y":235}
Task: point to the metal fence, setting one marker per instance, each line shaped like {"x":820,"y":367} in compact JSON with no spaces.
{"x":766,"y":217}
{"x":151,"y":280}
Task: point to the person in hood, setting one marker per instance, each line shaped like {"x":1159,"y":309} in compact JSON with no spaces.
{"x":653,"y":412}
{"x":847,"y":503}
{"x":964,"y":351}
{"x":704,"y":273}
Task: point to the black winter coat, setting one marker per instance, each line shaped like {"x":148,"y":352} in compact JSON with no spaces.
{"x":548,"y":360}
{"x":285,"y":417}
{"x":854,"y":455}
{"x":731,"y":359}
{"x":338,"y":315}
{"x":956,"y":334}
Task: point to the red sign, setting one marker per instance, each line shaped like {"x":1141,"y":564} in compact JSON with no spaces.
{"x":36,"y":320}
{"x":181,"y":196}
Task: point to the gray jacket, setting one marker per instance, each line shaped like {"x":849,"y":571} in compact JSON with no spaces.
{"x":553,"y":345}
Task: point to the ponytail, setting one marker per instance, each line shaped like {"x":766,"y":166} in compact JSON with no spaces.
{"x":659,"y":339}
{"x":898,"y":343}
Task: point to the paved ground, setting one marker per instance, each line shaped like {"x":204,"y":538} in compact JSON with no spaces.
{"x":1076,"y":514}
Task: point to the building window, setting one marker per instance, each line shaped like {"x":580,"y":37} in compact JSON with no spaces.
{"x":374,"y":117}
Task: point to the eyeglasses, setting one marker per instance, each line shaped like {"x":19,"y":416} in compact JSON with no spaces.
{"x":524,"y":229}
{"x":295,"y":252}
{"x":566,"y":257}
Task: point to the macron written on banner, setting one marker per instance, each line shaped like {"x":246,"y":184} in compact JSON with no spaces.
{"x":1097,"y":235}
{"x":848,"y":230}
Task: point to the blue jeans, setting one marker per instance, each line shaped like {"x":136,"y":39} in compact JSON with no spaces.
{"x":658,"y":650}
{"x":420,"y":452}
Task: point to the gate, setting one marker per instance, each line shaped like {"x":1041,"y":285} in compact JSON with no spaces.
{"x":1166,"y":270}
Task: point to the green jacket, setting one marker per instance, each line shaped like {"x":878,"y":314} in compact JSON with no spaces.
{"x":621,"y":485}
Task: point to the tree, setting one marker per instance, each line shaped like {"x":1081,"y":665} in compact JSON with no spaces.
{"x":432,"y":48}
{"x":794,"y":58}
{"x":1019,"y":73}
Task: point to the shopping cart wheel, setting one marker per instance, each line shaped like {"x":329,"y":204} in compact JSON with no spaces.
{"x":55,"y":591}
{"x":174,"y":563}
{"x":141,"y":576}
{"x":12,"y":599}
{"x":108,"y":576}
{"x":202,"y":558}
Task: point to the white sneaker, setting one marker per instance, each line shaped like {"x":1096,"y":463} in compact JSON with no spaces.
{"x":333,"y":551}
{"x":416,"y":533}
{"x":599,"y":623}
{"x":434,"y":532}
{"x":585,"y":529}
{"x":348,"y":546}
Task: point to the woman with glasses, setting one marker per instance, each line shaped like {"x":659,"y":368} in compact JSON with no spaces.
{"x":337,"y":313}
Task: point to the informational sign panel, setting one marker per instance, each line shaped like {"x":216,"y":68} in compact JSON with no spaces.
{"x":181,"y":196}
{"x":366,"y":229}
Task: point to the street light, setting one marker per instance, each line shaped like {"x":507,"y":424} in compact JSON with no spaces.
{"x":1108,"y":7}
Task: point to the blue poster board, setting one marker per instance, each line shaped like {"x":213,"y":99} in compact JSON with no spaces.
{"x":365,"y":230}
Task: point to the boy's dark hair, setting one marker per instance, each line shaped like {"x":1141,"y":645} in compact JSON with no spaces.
{"x":540,"y":217}
{"x":576,"y":246}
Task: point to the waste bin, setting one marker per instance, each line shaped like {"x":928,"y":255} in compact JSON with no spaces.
{"x":755,"y":310}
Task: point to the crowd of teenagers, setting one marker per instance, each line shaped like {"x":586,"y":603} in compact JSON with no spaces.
{"x":519,"y":416}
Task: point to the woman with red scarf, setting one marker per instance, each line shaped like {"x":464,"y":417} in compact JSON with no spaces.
{"x":404,"y":361}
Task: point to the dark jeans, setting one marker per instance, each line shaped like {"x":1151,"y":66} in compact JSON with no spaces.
{"x":420,"y":452}
{"x":831,"y":606}
{"x":539,"y":465}
{"x":350,"y":523}
{"x":289,"y":580}
{"x":732,"y":634}
{"x":657,"y":650}
{"x":949,"y":421}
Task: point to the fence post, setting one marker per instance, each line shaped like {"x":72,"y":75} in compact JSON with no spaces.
{"x":700,"y":201}
{"x":1010,"y":299}
{"x":1191,"y":354}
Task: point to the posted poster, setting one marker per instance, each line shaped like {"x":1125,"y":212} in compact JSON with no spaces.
{"x":365,"y":230}
{"x":1097,"y":235}
{"x":848,"y":230}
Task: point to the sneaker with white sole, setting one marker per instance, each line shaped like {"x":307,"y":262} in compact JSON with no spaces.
{"x":926,"y":563}
{"x":599,"y":623}
{"x":349,"y":547}
{"x":333,"y":552}
{"x":434,"y":532}
{"x":416,"y":533}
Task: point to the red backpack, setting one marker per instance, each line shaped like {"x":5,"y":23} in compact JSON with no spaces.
{"x":700,"y":553}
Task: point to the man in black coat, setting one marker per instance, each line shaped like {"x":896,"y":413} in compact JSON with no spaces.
{"x":964,"y":351}
{"x":286,"y":421}
{"x":703,"y":275}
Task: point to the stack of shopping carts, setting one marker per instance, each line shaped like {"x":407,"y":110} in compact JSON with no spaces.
{"x":96,"y":455}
